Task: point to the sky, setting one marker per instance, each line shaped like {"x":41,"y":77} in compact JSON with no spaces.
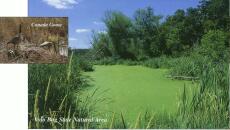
{"x":86,"y":16}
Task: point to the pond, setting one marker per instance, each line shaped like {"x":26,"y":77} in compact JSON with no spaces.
{"x":133,"y":90}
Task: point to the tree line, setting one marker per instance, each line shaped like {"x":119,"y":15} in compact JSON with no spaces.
{"x":203,"y":30}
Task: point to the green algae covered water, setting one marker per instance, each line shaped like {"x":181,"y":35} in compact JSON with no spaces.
{"x":133,"y":90}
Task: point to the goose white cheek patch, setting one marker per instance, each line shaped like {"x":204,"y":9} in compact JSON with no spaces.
{"x":33,"y":39}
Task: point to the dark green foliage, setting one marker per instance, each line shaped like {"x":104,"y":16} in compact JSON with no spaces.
{"x":82,"y":59}
{"x":215,"y":14}
{"x":129,"y":39}
{"x":146,"y":30}
{"x":118,"y":29}
{"x":145,"y":36}
{"x":85,"y":65}
{"x":102,"y":46}
{"x":188,"y":66}
{"x":54,"y":92}
{"x":214,"y":44}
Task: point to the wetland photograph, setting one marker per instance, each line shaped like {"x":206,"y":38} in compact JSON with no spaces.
{"x":135,"y":64}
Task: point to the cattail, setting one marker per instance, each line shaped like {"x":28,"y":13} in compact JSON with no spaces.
{"x":62,"y":103}
{"x":52,"y":122}
{"x":137,"y":124}
{"x":123,"y":121}
{"x":36,"y":109}
{"x":112,"y":121}
{"x":150,"y":121}
{"x":69,"y":67}
{"x":47,"y":92}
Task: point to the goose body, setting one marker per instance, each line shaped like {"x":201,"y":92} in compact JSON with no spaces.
{"x":15,"y":40}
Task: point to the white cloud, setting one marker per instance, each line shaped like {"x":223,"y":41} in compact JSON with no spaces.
{"x":72,"y":39}
{"x":82,"y":30}
{"x":61,"y":4}
{"x":102,"y":31}
{"x":98,"y":23}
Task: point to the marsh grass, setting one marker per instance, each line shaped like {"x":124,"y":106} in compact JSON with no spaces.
{"x":205,"y":106}
{"x":56,"y":94}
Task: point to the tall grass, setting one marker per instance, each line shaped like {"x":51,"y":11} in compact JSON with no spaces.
{"x":54,"y":93}
{"x":209,"y":106}
{"x":159,"y":62}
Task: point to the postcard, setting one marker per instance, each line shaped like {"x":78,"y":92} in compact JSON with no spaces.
{"x":135,"y":64}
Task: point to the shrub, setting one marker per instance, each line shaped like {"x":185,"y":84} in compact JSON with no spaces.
{"x":214,"y":45}
{"x":85,"y":65}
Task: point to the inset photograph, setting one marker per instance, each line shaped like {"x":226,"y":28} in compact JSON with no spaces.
{"x":33,"y":39}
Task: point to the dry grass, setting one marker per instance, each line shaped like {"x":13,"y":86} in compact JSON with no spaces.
{"x":28,"y":49}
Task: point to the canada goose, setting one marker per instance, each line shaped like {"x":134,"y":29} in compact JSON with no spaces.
{"x":18,"y":38}
{"x":15,"y":40}
{"x":48,"y":45}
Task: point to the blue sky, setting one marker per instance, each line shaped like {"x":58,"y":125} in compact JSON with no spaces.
{"x":86,"y":15}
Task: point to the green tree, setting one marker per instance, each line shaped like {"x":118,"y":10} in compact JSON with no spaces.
{"x":146,"y":25}
{"x":214,"y":45}
{"x":173,"y":42}
{"x":102,"y":45}
{"x":215,"y":14}
{"x":118,"y":26}
{"x":174,"y":26}
{"x":192,"y":30}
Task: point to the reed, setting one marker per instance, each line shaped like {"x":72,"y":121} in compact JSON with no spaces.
{"x":51,"y":97}
{"x":205,"y":106}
